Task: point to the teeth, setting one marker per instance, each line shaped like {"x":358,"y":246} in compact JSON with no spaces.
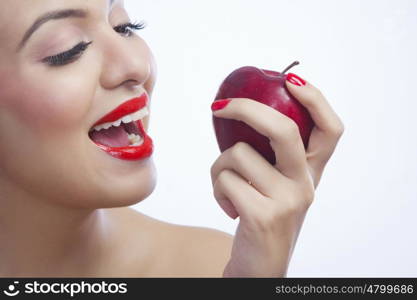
{"x":106,"y":125}
{"x":117,"y":123}
{"x":135,"y":140}
{"x":98,"y":128}
{"x":140,"y":114}
{"x":127,"y":119}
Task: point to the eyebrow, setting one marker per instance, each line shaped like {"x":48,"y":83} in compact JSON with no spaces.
{"x":54,"y":15}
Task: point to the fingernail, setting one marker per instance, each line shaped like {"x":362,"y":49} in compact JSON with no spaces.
{"x":294,"y":79}
{"x":219,"y":104}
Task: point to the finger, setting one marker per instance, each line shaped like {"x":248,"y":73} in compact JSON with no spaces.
{"x":320,"y":110}
{"x":328,"y":129}
{"x":282,"y":132}
{"x":250,"y":165}
{"x":225,"y":204}
{"x":234,"y":195}
{"x":320,"y":149}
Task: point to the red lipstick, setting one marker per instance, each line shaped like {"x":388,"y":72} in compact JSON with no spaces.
{"x":130,"y":106}
{"x":130,"y":153}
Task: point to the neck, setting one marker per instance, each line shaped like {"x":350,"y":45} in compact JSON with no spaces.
{"x":38,"y":238}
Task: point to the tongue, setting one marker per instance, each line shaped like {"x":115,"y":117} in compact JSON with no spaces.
{"x":113,"y":137}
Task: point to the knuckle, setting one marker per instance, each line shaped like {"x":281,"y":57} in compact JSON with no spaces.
{"x":337,"y":129}
{"x":305,"y":192}
{"x":223,"y":175}
{"x":216,"y":190}
{"x":222,"y":179}
{"x":293,"y":207}
{"x":308,"y":195}
{"x":212,"y":173}
{"x":239,"y":151}
{"x":290,"y":131}
{"x":300,"y":203}
{"x":213,"y":169}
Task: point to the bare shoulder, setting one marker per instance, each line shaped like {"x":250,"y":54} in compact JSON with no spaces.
{"x":174,"y":250}
{"x":202,"y":252}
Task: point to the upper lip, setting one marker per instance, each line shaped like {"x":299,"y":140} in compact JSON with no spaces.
{"x":126,"y":108}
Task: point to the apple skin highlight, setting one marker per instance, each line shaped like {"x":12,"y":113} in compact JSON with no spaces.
{"x":267,"y":87}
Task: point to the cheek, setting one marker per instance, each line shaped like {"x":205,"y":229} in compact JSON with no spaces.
{"x":42,"y":129}
{"x":55,"y":101}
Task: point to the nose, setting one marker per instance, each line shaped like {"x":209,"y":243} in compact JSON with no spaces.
{"x":126,"y":61}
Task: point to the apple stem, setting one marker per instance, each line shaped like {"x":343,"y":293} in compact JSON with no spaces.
{"x":290,"y":66}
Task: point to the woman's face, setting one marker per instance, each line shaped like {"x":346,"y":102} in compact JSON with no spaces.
{"x":48,"y":106}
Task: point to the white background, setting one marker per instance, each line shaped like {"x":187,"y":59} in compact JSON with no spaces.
{"x":361,"y":54}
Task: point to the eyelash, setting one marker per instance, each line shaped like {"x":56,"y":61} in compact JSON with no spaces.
{"x":130,"y":27}
{"x":126,"y":29}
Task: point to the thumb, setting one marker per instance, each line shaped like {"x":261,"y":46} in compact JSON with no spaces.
{"x":313,"y":100}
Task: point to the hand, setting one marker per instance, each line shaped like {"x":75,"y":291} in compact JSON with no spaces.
{"x":272,"y":201}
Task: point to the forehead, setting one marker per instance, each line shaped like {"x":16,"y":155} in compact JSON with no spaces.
{"x":16,"y":16}
{"x":29,"y":9}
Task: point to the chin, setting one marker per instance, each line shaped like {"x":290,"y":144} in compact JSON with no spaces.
{"x":131,"y":188}
{"x":124,"y":185}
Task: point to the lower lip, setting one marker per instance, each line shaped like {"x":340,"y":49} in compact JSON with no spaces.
{"x":132,"y":152}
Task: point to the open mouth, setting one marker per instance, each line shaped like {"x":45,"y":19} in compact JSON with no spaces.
{"x":126,"y":131}
{"x":121,"y":134}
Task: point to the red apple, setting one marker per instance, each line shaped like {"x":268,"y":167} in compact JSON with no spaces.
{"x":267,"y":87}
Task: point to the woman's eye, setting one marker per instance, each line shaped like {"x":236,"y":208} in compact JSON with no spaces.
{"x":127,"y":29}
{"x":67,"y":56}
{"x":71,"y":55}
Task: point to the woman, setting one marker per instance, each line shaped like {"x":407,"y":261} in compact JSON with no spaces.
{"x":67,"y":176}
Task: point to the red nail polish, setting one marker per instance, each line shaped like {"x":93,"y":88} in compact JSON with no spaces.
{"x":294,"y":79}
{"x":219,"y":104}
